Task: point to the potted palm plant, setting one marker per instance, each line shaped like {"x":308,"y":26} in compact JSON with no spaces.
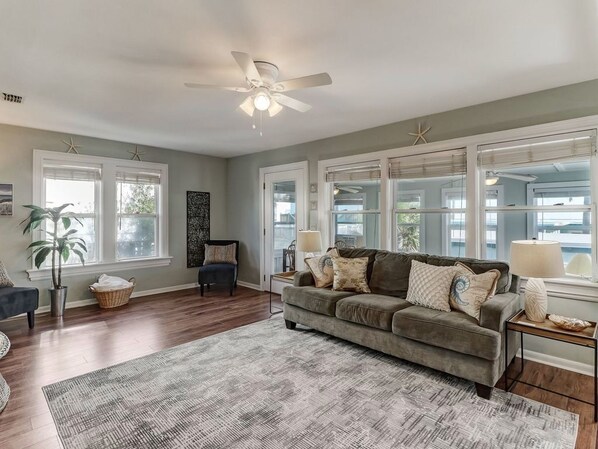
{"x":59,"y":244}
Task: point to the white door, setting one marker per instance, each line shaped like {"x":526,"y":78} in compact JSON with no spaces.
{"x":284,"y":214}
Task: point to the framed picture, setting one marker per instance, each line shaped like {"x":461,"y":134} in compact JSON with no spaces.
{"x":6,"y":199}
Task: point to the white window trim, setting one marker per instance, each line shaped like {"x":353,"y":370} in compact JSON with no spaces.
{"x":500,"y":223}
{"x":475,"y":215}
{"x":107,"y":213}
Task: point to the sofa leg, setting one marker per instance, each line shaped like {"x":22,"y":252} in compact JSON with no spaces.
{"x":31,"y":319}
{"x":201,"y":289}
{"x":483,"y":391}
{"x":290,"y":324}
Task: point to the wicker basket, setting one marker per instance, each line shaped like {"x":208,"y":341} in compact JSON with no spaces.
{"x":108,"y":299}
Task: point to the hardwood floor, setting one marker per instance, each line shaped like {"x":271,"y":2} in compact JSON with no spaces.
{"x":89,"y":338}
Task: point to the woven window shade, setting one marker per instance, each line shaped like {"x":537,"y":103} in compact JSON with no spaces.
{"x":362,"y":172}
{"x":547,"y":149}
{"x":138,"y":178}
{"x":429,"y":165}
{"x":74,"y":173}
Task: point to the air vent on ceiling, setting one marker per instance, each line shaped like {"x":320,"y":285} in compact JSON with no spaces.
{"x":12,"y":98}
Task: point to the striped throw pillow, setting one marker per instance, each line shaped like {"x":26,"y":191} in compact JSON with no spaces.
{"x":220,"y":254}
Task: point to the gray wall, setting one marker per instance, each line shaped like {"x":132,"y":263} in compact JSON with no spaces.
{"x":562,"y":103}
{"x":187,"y":171}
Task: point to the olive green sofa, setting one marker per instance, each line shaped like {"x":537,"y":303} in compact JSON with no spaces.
{"x":452,"y":342}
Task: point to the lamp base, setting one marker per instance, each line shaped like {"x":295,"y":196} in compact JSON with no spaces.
{"x":536,"y":300}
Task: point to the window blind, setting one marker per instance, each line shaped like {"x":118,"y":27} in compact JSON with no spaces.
{"x":429,"y":165}
{"x":74,"y":173}
{"x":558,"y":147}
{"x":361,"y":172}
{"x":138,"y":178}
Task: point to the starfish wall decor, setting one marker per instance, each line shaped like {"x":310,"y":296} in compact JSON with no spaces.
{"x":419,"y":135}
{"x":72,"y":147}
{"x":136,"y":154}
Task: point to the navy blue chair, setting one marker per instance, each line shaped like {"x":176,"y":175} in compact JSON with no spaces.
{"x":17,"y":300}
{"x":220,"y":273}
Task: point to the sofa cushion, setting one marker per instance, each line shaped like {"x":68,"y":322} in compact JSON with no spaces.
{"x":390,"y":274}
{"x":17,"y":300}
{"x":478,"y":267}
{"x":370,"y":310}
{"x":318,"y":300}
{"x":450,"y":330}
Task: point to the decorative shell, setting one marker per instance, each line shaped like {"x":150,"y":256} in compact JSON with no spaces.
{"x":570,"y":324}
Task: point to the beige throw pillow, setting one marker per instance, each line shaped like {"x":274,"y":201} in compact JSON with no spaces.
{"x":220,"y":254}
{"x":350,"y":274}
{"x":5,"y":280}
{"x":430,"y":286}
{"x":321,"y":268}
{"x":469,"y":290}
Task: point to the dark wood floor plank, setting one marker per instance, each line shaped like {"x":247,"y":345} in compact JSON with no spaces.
{"x":90,"y":338}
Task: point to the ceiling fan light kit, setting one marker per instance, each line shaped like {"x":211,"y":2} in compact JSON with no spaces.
{"x":265,"y":92}
{"x":492,"y":177}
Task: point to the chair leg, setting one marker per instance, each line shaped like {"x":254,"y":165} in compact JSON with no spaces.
{"x":201,"y":289}
{"x":31,"y":319}
{"x":208,"y":285}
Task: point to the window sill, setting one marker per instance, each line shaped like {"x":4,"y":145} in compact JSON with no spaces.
{"x":98,"y":268}
{"x":570,"y":288}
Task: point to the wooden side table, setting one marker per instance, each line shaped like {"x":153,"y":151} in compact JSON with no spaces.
{"x":586,"y":338}
{"x":288,"y":277}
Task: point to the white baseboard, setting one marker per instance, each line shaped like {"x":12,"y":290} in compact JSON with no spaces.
{"x":250,"y":285}
{"x":139,"y":294}
{"x":570,"y":365}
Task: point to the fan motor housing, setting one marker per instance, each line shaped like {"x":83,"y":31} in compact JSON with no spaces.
{"x":268,"y":72}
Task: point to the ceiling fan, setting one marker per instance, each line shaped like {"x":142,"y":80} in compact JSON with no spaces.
{"x":265,"y":91}
{"x":492,"y":177}
{"x":348,"y":189}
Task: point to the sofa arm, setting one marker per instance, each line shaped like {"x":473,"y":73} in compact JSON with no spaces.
{"x":499,"y":309}
{"x":303,"y":279}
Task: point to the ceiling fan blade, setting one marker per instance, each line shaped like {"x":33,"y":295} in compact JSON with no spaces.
{"x":247,"y":106}
{"x":292,"y":103}
{"x":320,"y":79}
{"x":274,"y":108}
{"x":349,"y":189}
{"x":248,"y":67}
{"x":518,"y":177}
{"x":211,"y":86}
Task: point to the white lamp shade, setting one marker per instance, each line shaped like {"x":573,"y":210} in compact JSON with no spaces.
{"x":309,"y":241}
{"x":580,"y":264}
{"x":537,"y":259}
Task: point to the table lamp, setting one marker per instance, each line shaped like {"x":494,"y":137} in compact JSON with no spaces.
{"x":309,"y":242}
{"x":580,"y":265}
{"x":536,"y":259}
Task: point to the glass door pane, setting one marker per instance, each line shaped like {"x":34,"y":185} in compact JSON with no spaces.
{"x":284,"y":225}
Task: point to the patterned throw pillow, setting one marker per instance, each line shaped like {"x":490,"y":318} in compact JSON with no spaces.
{"x":5,"y":280}
{"x":220,"y":254}
{"x":321,"y":268}
{"x":430,"y":286}
{"x":469,"y":290}
{"x":350,"y":274}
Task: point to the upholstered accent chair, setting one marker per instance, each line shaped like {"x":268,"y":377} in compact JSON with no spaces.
{"x":17,"y":300}
{"x":219,"y":273}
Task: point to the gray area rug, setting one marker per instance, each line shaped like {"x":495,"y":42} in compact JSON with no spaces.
{"x":263,"y":386}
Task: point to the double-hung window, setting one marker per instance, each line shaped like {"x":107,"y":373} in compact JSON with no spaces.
{"x":121,"y":206}
{"x":355,"y":212}
{"x":79,"y":186}
{"x":137,"y":214}
{"x":546,"y":188}
{"x":429,"y":202}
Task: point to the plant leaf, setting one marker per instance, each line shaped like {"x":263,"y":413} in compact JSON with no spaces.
{"x":41,"y":256}
{"x":66,"y":222}
{"x":80,"y":254}
{"x":65,"y":253}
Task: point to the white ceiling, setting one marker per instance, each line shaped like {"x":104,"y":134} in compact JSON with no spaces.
{"x":115,"y":69}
